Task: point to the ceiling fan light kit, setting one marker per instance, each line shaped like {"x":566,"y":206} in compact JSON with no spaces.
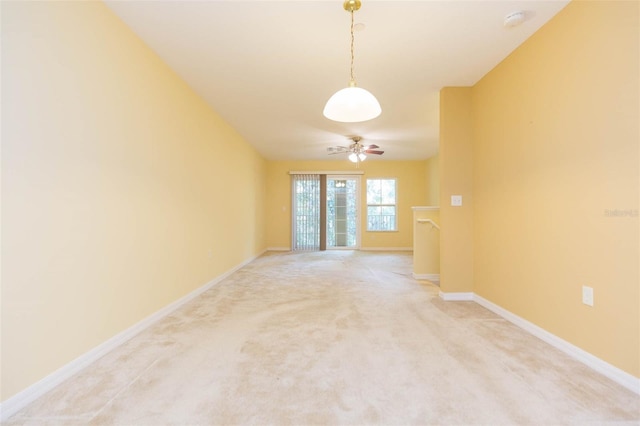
{"x":356,"y":158}
{"x":352,"y":104}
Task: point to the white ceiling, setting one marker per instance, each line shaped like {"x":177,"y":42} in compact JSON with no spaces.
{"x":268,"y":67}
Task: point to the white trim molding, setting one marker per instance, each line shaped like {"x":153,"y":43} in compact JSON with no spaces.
{"x":324,"y":172}
{"x":428,"y":277}
{"x":614,"y":373}
{"x":17,"y":402}
{"x":386,"y":249}
{"x":610,"y":371}
{"x":456,"y":297}
{"x":424,"y":208}
{"x":278,"y":249}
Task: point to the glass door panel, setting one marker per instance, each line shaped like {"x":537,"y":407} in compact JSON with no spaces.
{"x":306,"y":212}
{"x":342,"y":212}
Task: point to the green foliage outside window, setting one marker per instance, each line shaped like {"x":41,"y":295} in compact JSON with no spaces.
{"x":381,"y":205}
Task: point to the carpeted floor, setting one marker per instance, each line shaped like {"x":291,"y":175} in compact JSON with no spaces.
{"x":333,"y":338}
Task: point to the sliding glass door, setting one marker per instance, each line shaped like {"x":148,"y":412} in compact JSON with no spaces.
{"x":325,"y":212}
{"x":342,"y":212}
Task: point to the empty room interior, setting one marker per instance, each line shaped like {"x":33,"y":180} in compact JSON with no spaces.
{"x":194,"y":231}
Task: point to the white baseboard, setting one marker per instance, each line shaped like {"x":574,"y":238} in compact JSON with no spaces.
{"x":456,"y":297}
{"x":614,"y":373}
{"x":386,"y":248}
{"x":428,"y":277}
{"x":30,"y":394}
{"x":350,"y":248}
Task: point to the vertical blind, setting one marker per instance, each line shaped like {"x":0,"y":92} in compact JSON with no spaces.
{"x":306,"y":211}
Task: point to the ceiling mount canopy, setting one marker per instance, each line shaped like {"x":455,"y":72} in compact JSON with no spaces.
{"x":352,"y":104}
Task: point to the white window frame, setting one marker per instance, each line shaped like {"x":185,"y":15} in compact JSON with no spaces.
{"x":395,"y":205}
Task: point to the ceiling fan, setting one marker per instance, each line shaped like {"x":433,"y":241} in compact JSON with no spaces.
{"x":357,"y":152}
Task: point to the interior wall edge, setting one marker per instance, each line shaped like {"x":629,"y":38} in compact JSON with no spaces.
{"x":610,"y":371}
{"x":23,"y":398}
{"x":598,"y":365}
{"x":386,"y":249}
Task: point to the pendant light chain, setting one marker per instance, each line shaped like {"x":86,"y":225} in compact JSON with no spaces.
{"x":351,"y":104}
{"x":353,"y":78}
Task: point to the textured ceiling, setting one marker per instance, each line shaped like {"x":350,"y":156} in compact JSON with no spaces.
{"x":268,"y":67}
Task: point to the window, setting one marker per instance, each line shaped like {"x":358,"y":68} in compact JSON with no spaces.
{"x":381,"y":205}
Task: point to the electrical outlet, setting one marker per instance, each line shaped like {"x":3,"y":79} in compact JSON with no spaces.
{"x":587,"y":295}
{"x":456,"y":200}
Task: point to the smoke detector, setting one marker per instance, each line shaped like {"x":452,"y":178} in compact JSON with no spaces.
{"x":514,"y":19}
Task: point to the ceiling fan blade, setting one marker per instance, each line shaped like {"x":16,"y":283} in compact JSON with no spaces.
{"x":337,"y":149}
{"x":373,"y":151}
{"x":372,"y":146}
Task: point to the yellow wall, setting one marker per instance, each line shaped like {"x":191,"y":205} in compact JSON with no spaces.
{"x":426,"y":242}
{"x":411,"y":190}
{"x":456,"y":178}
{"x":119,"y":186}
{"x":433,"y":180}
{"x":556,"y":141}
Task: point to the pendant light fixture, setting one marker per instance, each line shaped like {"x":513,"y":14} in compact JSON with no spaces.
{"x":352,"y":104}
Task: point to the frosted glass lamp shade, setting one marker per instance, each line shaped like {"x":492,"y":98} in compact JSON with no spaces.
{"x":354,"y":158}
{"x":351,"y":105}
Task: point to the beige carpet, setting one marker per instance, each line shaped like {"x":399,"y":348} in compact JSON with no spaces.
{"x":333,"y":338}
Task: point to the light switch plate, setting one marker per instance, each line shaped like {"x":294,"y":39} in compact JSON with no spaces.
{"x":587,"y":295}
{"x":456,"y":200}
